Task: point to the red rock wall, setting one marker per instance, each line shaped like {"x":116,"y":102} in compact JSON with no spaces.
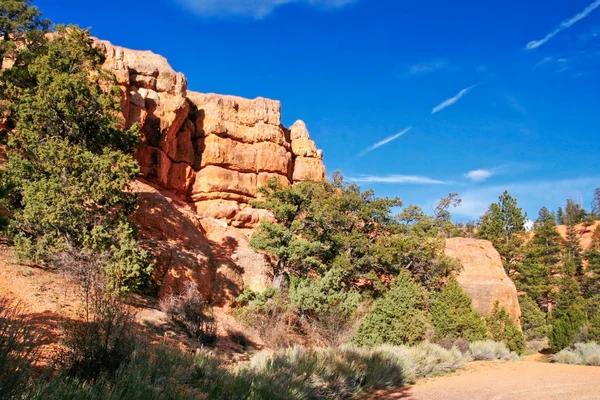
{"x":213,"y":151}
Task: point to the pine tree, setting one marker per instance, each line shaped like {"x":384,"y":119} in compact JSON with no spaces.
{"x":502,"y":224}
{"x":533,"y":319}
{"x":543,"y":255}
{"x":453,"y":315}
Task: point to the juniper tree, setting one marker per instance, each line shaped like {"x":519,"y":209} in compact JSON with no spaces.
{"x":69,"y":160}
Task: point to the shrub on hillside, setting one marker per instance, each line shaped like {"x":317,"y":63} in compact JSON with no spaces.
{"x":190,"y":311}
{"x":533,"y":319}
{"x":100,"y":344}
{"x":399,"y":317}
{"x":566,"y":327}
{"x":580,"y":354}
{"x":453,"y":316}
{"x":17,"y":341}
{"x":502,"y":328}
{"x":489,"y":350}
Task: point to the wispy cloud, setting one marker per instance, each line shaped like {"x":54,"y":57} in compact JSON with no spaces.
{"x":479,"y":175}
{"x":384,"y":142}
{"x":543,"y":62}
{"x":447,"y":103}
{"x":563,"y":25}
{"x":252,"y":8}
{"x":427,"y":67}
{"x":397,"y":179}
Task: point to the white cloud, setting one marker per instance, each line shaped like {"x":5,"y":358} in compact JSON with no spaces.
{"x":479,"y":175}
{"x":252,"y":8}
{"x":427,"y":68}
{"x":447,"y":103}
{"x":563,"y":25}
{"x":384,"y":141}
{"x":410,"y":179}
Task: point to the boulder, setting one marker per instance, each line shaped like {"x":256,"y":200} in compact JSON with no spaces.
{"x":483,"y":277}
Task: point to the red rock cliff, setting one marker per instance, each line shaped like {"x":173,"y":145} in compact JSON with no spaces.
{"x":213,"y":151}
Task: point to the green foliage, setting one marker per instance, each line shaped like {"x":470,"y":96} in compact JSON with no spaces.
{"x":320,"y":294}
{"x":70,"y":162}
{"x":566,"y":325}
{"x":333,"y":225}
{"x":399,"y":317}
{"x":502,"y":328}
{"x":502,"y":224}
{"x":533,"y":319}
{"x":453,"y":316}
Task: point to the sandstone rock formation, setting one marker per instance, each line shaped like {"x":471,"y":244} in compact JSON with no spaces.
{"x":212,"y":151}
{"x":203,"y":158}
{"x":483,"y":277}
{"x":188,"y":247}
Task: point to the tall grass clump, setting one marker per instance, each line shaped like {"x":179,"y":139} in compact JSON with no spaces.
{"x":427,"y":359}
{"x":489,"y":350}
{"x":580,"y":354}
{"x":17,"y":340}
{"x":332,"y":373}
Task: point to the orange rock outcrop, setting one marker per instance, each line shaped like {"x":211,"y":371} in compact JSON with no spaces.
{"x":483,"y":277}
{"x":213,"y":151}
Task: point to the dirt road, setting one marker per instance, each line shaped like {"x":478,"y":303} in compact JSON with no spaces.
{"x":507,"y":381}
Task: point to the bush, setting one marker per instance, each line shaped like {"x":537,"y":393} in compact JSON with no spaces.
{"x":453,"y":315}
{"x":427,"y":359}
{"x":502,"y":328}
{"x":489,"y":350}
{"x":533,"y":319}
{"x":152,"y":373}
{"x":328,"y":373}
{"x":399,"y":317}
{"x":188,"y":310}
{"x":566,"y":327}
{"x":580,"y":354}
{"x":17,"y":343}
{"x":101,"y":343}
{"x":276,"y":323}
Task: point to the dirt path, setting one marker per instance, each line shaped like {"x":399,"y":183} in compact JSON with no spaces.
{"x":508,"y":381}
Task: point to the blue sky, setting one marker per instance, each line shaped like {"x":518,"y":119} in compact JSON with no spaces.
{"x":414,"y":99}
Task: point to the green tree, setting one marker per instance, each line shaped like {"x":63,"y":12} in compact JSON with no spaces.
{"x":453,"y":315}
{"x":442,"y":216}
{"x":591,"y":279}
{"x":399,"y":317}
{"x":21,"y":27}
{"x":542,"y":257}
{"x":574,"y":213}
{"x":533,"y":319}
{"x":566,"y":327}
{"x":502,"y":328}
{"x":70,"y":162}
{"x":502,"y":224}
{"x":322,"y":225}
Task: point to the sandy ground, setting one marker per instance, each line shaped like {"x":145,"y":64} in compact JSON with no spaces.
{"x":507,"y":381}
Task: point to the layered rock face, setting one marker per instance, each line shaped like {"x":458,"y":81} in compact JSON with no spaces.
{"x":213,"y":151}
{"x":203,"y":158}
{"x":483,"y":277}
